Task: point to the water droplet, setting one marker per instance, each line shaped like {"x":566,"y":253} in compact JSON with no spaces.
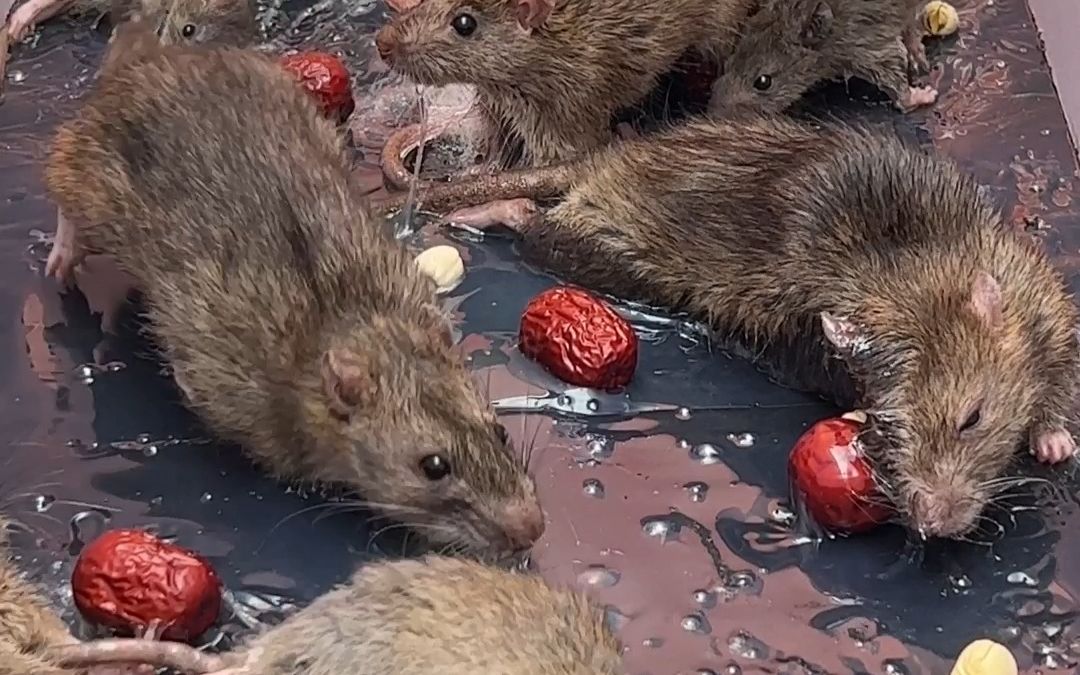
{"x":960,"y":582}
{"x":706,"y":599}
{"x":653,"y":643}
{"x":84,"y":372}
{"x":87,"y":525}
{"x":704,"y":671}
{"x":705,"y":454}
{"x":600,"y":448}
{"x":893,"y":667}
{"x":17,"y":76}
{"x":150,"y":450}
{"x":746,"y":646}
{"x":143,"y":438}
{"x":564,"y":401}
{"x":156,"y":501}
{"x":682,"y":414}
{"x":1021,"y":578}
{"x":743,"y":440}
{"x":206,"y":497}
{"x":732,"y":669}
{"x":742,"y":579}
{"x":695,"y":623}
{"x":43,"y":502}
{"x":593,"y":405}
{"x":782,"y":515}
{"x":660,"y":527}
{"x":599,"y":576}
{"x":593,"y":487}
{"x":697,"y":490}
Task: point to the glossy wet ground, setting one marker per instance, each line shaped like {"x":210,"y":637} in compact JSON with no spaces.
{"x":669,"y":503}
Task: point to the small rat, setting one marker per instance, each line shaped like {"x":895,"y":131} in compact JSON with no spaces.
{"x":177,"y":21}
{"x":296,"y":325}
{"x":846,"y":264}
{"x":791,"y":45}
{"x":550,"y":74}
{"x":410,"y":617}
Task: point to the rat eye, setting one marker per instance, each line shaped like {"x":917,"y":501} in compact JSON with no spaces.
{"x":763,"y":82}
{"x":188,"y":30}
{"x":435,"y":467}
{"x":972,"y":420}
{"x":464,"y":24}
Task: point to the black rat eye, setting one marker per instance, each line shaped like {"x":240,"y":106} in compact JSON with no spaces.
{"x":188,"y":30}
{"x":464,"y":24}
{"x":973,"y":419}
{"x":763,"y":82}
{"x":435,"y":467}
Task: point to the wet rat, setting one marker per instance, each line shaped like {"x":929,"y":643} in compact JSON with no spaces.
{"x":791,"y":45}
{"x":549,"y":74}
{"x":412,"y":617}
{"x":177,"y":21}
{"x":295,"y":324}
{"x":846,"y":264}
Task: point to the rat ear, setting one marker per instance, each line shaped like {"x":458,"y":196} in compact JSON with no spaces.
{"x":844,"y":334}
{"x":532,"y":14}
{"x":986,"y":301}
{"x":347,"y":381}
{"x":818,"y":25}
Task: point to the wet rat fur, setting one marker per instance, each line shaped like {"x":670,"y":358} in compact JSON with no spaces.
{"x":413,"y":617}
{"x":295,"y":325}
{"x":549,"y":74}
{"x":846,"y":264}
{"x":791,"y":45}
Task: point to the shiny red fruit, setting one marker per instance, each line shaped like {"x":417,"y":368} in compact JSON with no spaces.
{"x":327,"y":79}
{"x":833,"y":478}
{"x":579,"y":339}
{"x":129,"y":579}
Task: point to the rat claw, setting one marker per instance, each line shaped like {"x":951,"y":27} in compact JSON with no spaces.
{"x":515,"y":214}
{"x":1053,"y":446}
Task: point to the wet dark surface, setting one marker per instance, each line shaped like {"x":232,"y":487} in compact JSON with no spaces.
{"x":700,"y":556}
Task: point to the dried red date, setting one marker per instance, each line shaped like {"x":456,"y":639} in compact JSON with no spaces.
{"x":326,"y":78}
{"x":130,"y":580}
{"x":579,"y":339}
{"x":834,"y":480}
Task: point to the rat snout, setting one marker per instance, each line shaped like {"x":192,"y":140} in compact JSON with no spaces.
{"x":386,"y":43}
{"x":947,"y":512}
{"x":523,"y":523}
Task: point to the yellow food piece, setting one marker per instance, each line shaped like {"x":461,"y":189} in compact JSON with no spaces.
{"x":985,"y":657}
{"x":444,"y":265}
{"x":940,"y":18}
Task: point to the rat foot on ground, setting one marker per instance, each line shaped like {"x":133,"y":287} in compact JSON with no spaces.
{"x":917,"y":97}
{"x":512,"y":213}
{"x":1052,"y":446}
{"x":918,"y":64}
{"x":65,"y":253}
{"x":23,"y":19}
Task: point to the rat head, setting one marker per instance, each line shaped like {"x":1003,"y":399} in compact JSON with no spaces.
{"x":948,"y":401}
{"x":411,"y":432}
{"x":196,"y":22}
{"x":442,"y":42}
{"x":778,"y":59}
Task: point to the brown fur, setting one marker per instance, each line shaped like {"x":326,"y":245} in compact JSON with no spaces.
{"x":27,"y":626}
{"x":798,"y":43}
{"x":295,"y":325}
{"x":936,"y":310}
{"x":553,"y":85}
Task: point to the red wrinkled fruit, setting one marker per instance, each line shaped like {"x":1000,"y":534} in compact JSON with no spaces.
{"x":326,"y":78}
{"x":579,"y":339}
{"x":129,"y":579}
{"x":833,"y":478}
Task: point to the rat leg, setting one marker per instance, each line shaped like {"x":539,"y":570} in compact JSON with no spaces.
{"x":890,"y":73}
{"x":32,"y":12}
{"x":917,"y":62}
{"x":65,"y":253}
{"x":1050,"y":445}
{"x":514,"y":214}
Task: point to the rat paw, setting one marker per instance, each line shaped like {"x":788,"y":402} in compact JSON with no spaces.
{"x":515,"y":214}
{"x":22,"y":21}
{"x":917,"y":97}
{"x":61,"y":263}
{"x":1052,"y":446}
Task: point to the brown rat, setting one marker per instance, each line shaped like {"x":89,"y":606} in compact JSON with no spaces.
{"x":791,"y":45}
{"x":295,"y":325}
{"x":846,"y":264}
{"x":551,"y":73}
{"x":413,"y":617}
{"x":177,"y":21}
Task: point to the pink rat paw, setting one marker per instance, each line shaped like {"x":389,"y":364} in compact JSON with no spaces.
{"x":515,"y":214}
{"x":917,"y":97}
{"x":62,"y":261}
{"x":22,"y":21}
{"x":1052,"y":446}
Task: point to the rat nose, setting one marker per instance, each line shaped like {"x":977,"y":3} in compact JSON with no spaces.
{"x":940,"y":513}
{"x":385,"y":43}
{"x":524,"y":524}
